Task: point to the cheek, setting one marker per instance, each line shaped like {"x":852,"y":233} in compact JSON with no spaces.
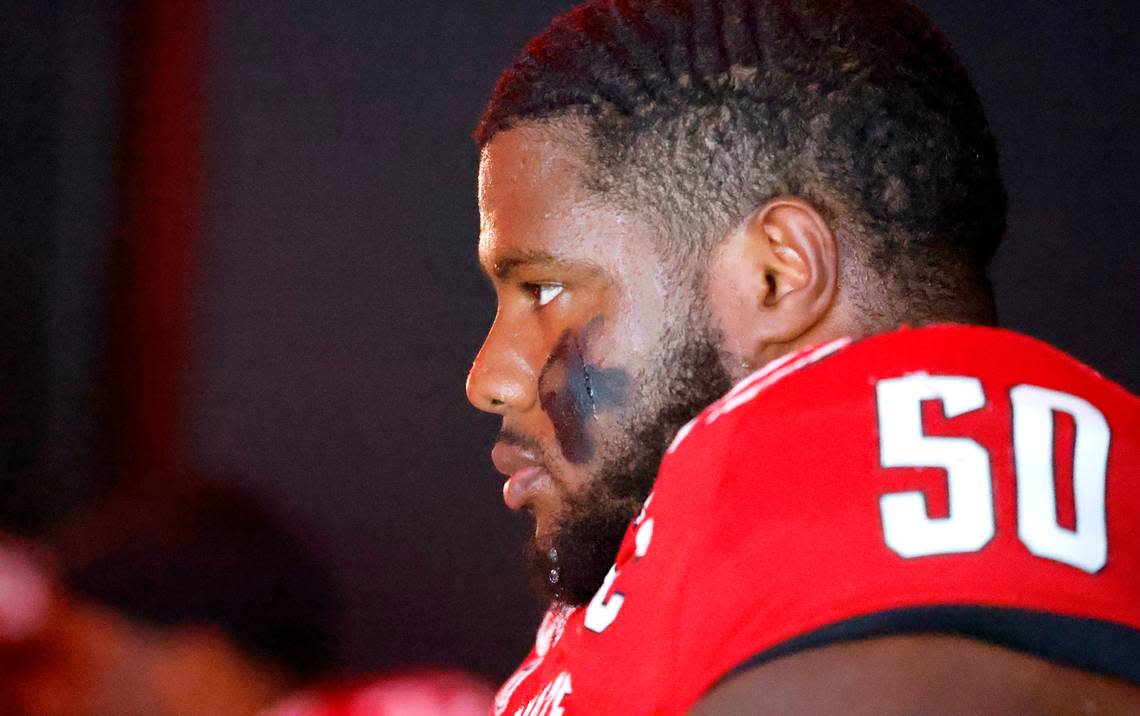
{"x":732,"y":298}
{"x":573,"y":391}
{"x":651,"y":302}
{"x":565,"y":395}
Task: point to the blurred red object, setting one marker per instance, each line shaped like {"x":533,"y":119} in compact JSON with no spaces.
{"x":413,"y":693}
{"x":25,"y":594}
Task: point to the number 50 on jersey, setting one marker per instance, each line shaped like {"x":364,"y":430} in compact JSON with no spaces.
{"x":911,"y":532}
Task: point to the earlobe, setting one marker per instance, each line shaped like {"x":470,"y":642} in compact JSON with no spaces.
{"x":774,"y":279}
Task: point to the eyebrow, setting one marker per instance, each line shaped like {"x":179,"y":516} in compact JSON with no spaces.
{"x":504,"y":267}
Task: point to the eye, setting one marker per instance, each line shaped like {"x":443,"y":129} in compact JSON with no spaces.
{"x":544,"y":293}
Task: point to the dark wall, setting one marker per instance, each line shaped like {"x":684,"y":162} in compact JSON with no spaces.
{"x":341,"y":306}
{"x":58,"y":87}
{"x":338,"y":304}
{"x":30,"y":92}
{"x":1059,"y":83}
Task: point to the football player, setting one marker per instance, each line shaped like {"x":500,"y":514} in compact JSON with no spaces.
{"x":898,"y":508}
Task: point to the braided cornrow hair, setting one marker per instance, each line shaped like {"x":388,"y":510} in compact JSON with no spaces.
{"x":700,"y":110}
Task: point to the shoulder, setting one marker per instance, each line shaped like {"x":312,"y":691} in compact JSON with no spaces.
{"x":988,"y":353}
{"x":840,"y":379}
{"x":949,"y":480}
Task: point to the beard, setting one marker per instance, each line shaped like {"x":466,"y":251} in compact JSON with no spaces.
{"x":569,"y":564}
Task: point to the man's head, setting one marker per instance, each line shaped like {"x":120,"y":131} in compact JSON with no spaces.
{"x":674,"y":191}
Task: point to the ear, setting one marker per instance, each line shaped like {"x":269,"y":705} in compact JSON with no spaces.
{"x":773,"y":280}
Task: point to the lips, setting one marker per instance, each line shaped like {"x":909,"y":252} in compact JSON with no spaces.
{"x":526,"y":475}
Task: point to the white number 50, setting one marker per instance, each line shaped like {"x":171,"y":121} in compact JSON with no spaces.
{"x":911,"y":532}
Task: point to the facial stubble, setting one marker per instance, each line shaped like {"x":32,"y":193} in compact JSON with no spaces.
{"x":569,"y":564}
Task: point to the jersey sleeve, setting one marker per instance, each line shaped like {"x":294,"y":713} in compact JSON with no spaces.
{"x":938,"y":486}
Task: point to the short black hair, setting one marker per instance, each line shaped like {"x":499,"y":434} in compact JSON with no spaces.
{"x":198,"y":553}
{"x":698,"y":111}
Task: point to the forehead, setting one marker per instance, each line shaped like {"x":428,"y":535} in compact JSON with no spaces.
{"x":518,"y":164}
{"x":533,"y":201}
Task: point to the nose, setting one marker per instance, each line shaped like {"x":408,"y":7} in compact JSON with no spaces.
{"x":503,"y":379}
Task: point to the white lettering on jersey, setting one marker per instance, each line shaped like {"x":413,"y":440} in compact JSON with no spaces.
{"x":911,"y":532}
{"x":907,"y":527}
{"x":642,"y":539}
{"x":549,"y":632}
{"x":1085,"y":547}
{"x":604,"y":607}
{"x":549,"y":700}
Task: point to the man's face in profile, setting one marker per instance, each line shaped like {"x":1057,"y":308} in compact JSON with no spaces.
{"x":600,"y":350}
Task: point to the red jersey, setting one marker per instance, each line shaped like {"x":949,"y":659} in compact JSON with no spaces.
{"x":949,"y":479}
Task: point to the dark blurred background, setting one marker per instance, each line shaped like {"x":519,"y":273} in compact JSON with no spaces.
{"x":239,"y":239}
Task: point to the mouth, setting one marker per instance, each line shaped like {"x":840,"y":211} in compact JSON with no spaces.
{"x":526,"y":475}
